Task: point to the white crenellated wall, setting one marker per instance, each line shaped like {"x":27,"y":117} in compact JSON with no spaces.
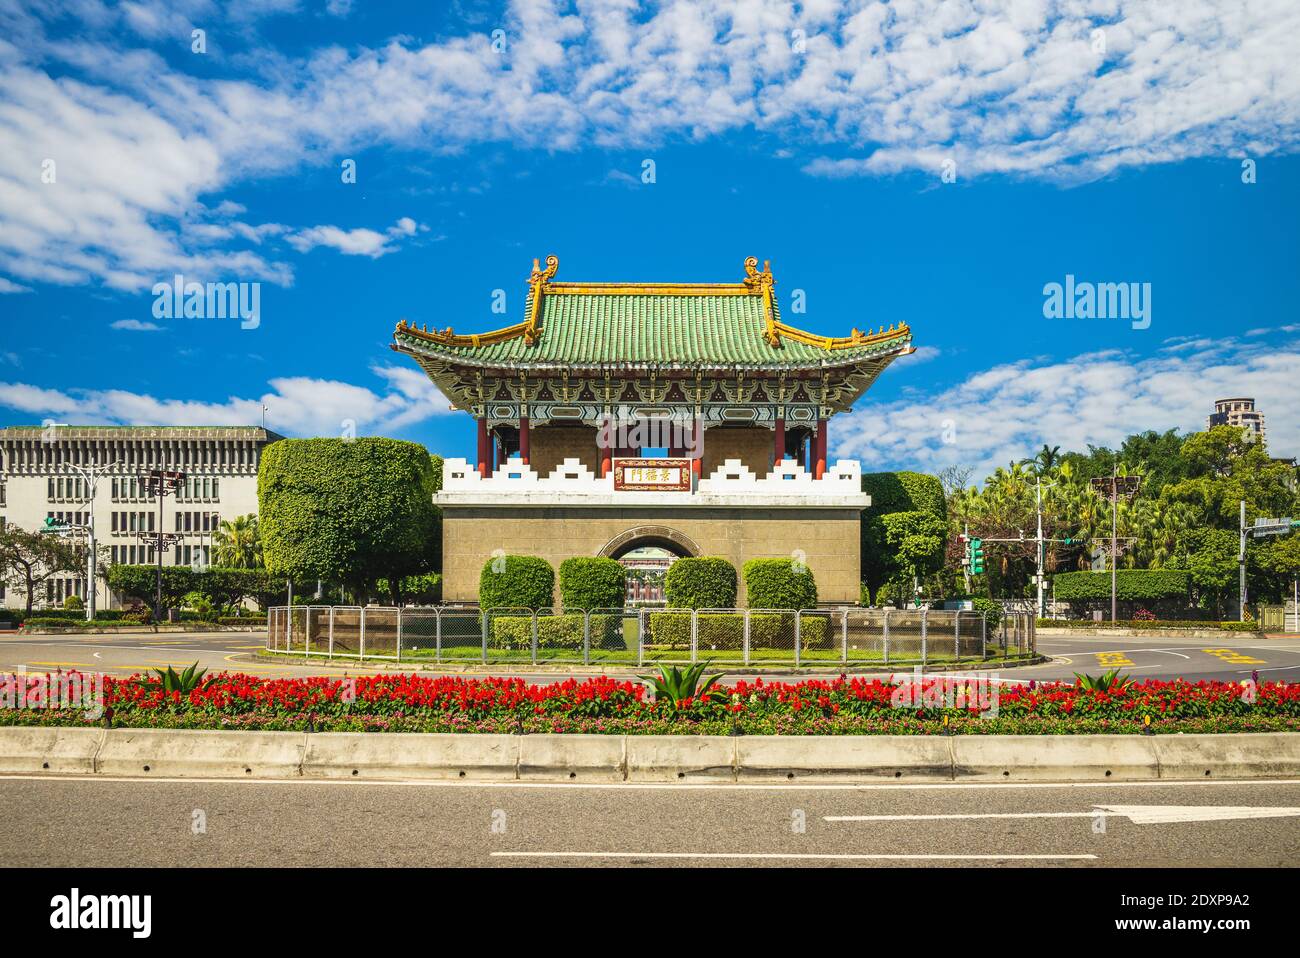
{"x":571,"y":479}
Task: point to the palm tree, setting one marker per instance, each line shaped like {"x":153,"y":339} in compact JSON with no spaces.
{"x":237,"y":543}
{"x":1045,"y":461}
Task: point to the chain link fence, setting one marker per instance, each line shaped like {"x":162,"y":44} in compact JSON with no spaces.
{"x":635,"y":636}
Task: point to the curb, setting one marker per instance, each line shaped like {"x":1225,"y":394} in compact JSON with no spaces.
{"x":686,"y":759}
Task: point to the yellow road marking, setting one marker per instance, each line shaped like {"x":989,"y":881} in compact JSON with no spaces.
{"x":1113,"y":659}
{"x":1233,"y":657}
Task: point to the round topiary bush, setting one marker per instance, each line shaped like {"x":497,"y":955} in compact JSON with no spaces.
{"x":516,"y":582}
{"x":707,"y":582}
{"x":779,"y":584}
{"x":591,"y":582}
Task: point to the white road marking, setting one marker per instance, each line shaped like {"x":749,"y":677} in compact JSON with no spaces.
{"x":1138,"y":814}
{"x":791,"y":856}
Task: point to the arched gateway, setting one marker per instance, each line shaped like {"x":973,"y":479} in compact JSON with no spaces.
{"x":575,"y":402}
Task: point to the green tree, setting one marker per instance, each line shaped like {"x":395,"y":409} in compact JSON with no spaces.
{"x":29,"y":559}
{"x":237,"y":543}
{"x":351,"y":511}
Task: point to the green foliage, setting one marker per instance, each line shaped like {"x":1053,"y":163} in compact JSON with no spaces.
{"x":350,"y":511}
{"x":237,"y":543}
{"x":223,"y":587}
{"x":516,"y":582}
{"x":73,"y":603}
{"x":1149,"y":624}
{"x":779,"y":584}
{"x":1131,"y":585}
{"x":725,"y":631}
{"x":706,"y":582}
{"x":676,"y":687}
{"x":588,"y":582}
{"x":515,"y":632}
{"x":29,"y":559}
{"x":184,"y":683}
{"x":992,"y":610}
{"x":423,"y":589}
{"x":904,"y":492}
{"x":1110,"y":682}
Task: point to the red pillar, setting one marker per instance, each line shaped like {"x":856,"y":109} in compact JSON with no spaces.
{"x":778,"y":441}
{"x":697,"y":464}
{"x":606,"y":453}
{"x":484,"y":449}
{"x":819,"y":469}
{"x":523,"y":439}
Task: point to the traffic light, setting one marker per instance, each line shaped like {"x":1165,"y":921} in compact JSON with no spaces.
{"x":976,"y":556}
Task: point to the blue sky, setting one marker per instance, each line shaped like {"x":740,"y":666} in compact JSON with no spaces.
{"x":813,"y":135}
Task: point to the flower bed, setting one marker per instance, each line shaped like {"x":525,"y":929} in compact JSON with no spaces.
{"x":414,"y":703}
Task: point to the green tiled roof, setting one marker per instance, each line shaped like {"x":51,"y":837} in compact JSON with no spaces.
{"x":660,"y":329}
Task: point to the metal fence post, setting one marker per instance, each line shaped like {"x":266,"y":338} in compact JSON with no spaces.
{"x":956,"y":634}
{"x":844,"y":636}
{"x":399,"y":633}
{"x":797,"y":619}
{"x":483,"y":622}
{"x":288,"y":634}
{"x":924,"y":637}
{"x":745,"y":657}
{"x":362,"y":654}
{"x":331,"y":632}
{"x":437,"y":635}
{"x":886,"y":626}
{"x":586,"y":637}
{"x":532,"y":641}
{"x":695,"y":633}
{"x":642,"y":623}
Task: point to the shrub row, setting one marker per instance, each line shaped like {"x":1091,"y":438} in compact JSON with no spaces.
{"x":515,"y":632}
{"x":719,"y":631}
{"x":1144,"y":585}
{"x":1149,"y":624}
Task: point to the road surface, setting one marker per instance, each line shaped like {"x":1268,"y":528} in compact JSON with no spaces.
{"x":93,"y":822}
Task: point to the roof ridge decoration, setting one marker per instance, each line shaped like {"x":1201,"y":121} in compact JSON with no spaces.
{"x":756,"y":282}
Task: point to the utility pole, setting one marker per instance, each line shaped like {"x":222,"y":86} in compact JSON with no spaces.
{"x":1241,"y":566}
{"x":160,"y":482}
{"x":1038,"y":508}
{"x":965,"y":562}
{"x":1112,"y":487}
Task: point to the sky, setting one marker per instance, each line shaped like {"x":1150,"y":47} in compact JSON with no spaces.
{"x":939,"y":164}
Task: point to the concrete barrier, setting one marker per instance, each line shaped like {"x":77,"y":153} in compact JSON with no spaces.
{"x":1246,"y":755}
{"x":843,"y":758}
{"x":572,"y":758}
{"x":55,"y":751}
{"x":681,"y":758}
{"x":171,"y":753}
{"x":616,"y":758}
{"x":431,"y":756}
{"x":1053,"y":758}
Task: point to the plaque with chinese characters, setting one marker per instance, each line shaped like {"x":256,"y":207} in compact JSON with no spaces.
{"x":652,"y":475}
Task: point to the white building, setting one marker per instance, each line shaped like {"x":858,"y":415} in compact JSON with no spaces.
{"x":39,"y":479}
{"x":1240,"y":412}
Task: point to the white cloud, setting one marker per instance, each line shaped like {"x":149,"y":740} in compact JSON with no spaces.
{"x":1007,"y":412}
{"x":8,"y":286}
{"x":135,"y":325}
{"x":296,"y":405}
{"x":1014,"y":89}
{"x":356,"y":242}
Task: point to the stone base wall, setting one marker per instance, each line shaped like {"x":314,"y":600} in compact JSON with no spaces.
{"x":751,"y":445}
{"x":550,"y":445}
{"x":829,"y":538}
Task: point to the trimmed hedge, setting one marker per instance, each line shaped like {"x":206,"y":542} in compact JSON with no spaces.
{"x":1149,"y":624}
{"x":778,"y":584}
{"x":726,"y":630}
{"x":1131,"y":585}
{"x":904,"y":492}
{"x":588,"y":582}
{"x":515,"y":632}
{"x":706,"y":582}
{"x":518,"y":582}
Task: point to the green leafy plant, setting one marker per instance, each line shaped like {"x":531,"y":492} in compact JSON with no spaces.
{"x":186,"y":682}
{"x":675,"y":686}
{"x":703,"y":582}
{"x":1109,"y":682}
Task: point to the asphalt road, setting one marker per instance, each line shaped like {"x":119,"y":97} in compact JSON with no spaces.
{"x":92,"y":822}
{"x":1227,"y":658}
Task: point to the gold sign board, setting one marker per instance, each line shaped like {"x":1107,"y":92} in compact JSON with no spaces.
{"x":652,"y":475}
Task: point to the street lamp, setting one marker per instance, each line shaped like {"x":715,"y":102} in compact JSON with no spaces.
{"x":1113,"y":487}
{"x":160,"y":483}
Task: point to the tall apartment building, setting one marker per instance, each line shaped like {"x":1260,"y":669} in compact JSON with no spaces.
{"x":1238,"y":412}
{"x":39,"y":479}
